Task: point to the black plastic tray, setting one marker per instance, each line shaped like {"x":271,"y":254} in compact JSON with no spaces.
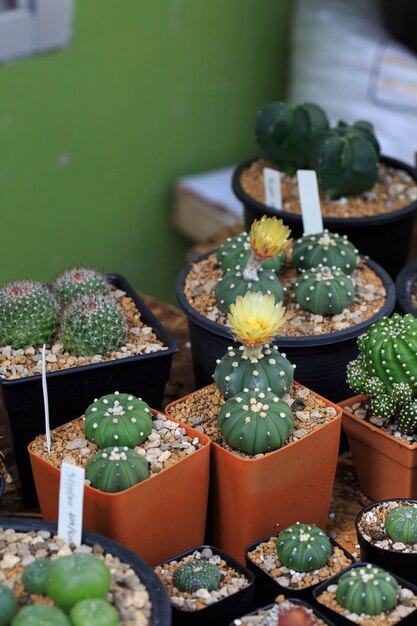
{"x":403,"y":284}
{"x":296,"y":601}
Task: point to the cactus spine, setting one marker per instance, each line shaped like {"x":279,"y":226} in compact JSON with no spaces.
{"x":303,"y":547}
{"x":401,"y":524}
{"x":326,"y":249}
{"x":79,"y":281}
{"x":116,"y":469}
{"x":197,"y":574}
{"x":370,"y":590}
{"x":324,"y":290}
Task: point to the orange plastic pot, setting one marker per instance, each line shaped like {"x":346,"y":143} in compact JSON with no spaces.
{"x":252,"y":498}
{"x":157,"y":518}
{"x":386,"y":467}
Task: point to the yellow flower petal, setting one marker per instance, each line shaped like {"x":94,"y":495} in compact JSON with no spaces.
{"x":269,"y":237}
{"x":255,"y":318}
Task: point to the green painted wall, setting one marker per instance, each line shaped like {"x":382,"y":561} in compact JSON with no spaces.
{"x":92,"y":138}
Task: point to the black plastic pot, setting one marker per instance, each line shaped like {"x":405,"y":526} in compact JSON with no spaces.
{"x":340,"y":620}
{"x":296,"y":601}
{"x":396,"y":562}
{"x":321,"y":360}
{"x":70,"y":391}
{"x":384,"y":238}
{"x":403,"y":284}
{"x":267,"y":588}
{"x":2,"y":487}
{"x":161,"y":606}
{"x":223,"y":612}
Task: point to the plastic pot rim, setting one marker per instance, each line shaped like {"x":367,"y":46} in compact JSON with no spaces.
{"x":289,"y":342}
{"x":329,"y":222}
{"x":403,"y":284}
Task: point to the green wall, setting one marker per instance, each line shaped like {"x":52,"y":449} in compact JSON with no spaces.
{"x":92,"y":138}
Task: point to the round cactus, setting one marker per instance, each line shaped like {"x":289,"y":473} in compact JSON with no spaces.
{"x":35,"y":575}
{"x":93,"y":325}
{"x":94,"y":612}
{"x":197,"y":574}
{"x":383,"y":405}
{"x":79,"y":281}
{"x":239,"y":371}
{"x":8,"y":605}
{"x":255,"y":422}
{"x":324,"y":290}
{"x":116,"y":469}
{"x":303,"y":547}
{"x":401,"y":524}
{"x":407,"y":417}
{"x":326,"y":249}
{"x":234,"y":284}
{"x":357,"y":375}
{"x":28,"y":314}
{"x":40,"y":615}
{"x":236,"y":252}
{"x":118,"y":419}
{"x":368,"y":589}
{"x":77,"y":577}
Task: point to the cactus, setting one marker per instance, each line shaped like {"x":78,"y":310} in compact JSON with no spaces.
{"x":255,"y":422}
{"x":40,"y":615}
{"x":8,"y":605}
{"x":116,"y":469}
{"x":93,"y":325}
{"x":327,"y":249}
{"x":118,"y":419}
{"x":303,"y":547}
{"x":324,"y":290}
{"x":283,"y":132}
{"x":94,"y":612}
{"x":234,"y":284}
{"x":28,"y":314}
{"x":77,"y":577}
{"x":236,"y":252}
{"x":35,"y":575}
{"x":79,"y":281}
{"x":345,"y":160}
{"x":366,"y":129}
{"x":197,"y":574}
{"x":401,"y":524}
{"x":368,"y":589}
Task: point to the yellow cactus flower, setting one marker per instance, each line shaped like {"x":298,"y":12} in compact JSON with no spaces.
{"x":255,"y":318}
{"x":268,"y":237}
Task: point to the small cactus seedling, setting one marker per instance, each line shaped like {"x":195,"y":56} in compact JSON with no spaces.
{"x":116,"y":469}
{"x":283,"y":132}
{"x":197,"y":574}
{"x":118,"y":419}
{"x":236,"y":253}
{"x":40,"y":615}
{"x":254,"y":320}
{"x":303,"y":547}
{"x":370,"y":590}
{"x":93,"y":325}
{"x":324,"y":290}
{"x":401,"y":524}
{"x":255,"y":422}
{"x":94,"y":612}
{"x":79,"y":281}
{"x":28,"y":314}
{"x":8,"y":605}
{"x":326,"y":249}
{"x":35,"y":575}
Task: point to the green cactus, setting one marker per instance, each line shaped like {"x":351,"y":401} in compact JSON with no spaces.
{"x":94,"y":612}
{"x":345,"y":160}
{"x":327,"y":249}
{"x":407,"y":417}
{"x":116,"y":469}
{"x":324,"y":290}
{"x":401,"y":524}
{"x":267,"y":369}
{"x":236,"y":252}
{"x":303,"y":547}
{"x":79,"y":281}
{"x":357,"y":376}
{"x":28,"y":314}
{"x":366,"y":129}
{"x":35,"y":575}
{"x":255,"y":422}
{"x":8,"y":605}
{"x":283,"y":132}
{"x":197,"y":574}
{"x":383,"y":405}
{"x":40,"y":615}
{"x":118,"y":419}
{"x":77,"y":577}
{"x":368,"y":589}
{"x":93,"y":325}
{"x":236,"y":283}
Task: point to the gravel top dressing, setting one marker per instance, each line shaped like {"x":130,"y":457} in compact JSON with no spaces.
{"x":363,"y":411}
{"x":372,"y":527}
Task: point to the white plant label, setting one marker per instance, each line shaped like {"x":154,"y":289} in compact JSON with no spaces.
{"x":308,"y":191}
{"x":46,"y":401}
{"x":272,"y":187}
{"x":71,"y":496}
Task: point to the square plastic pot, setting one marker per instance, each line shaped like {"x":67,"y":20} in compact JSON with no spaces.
{"x":295,"y":601}
{"x":161,"y":515}
{"x":386,"y":467}
{"x":267,"y":588}
{"x":340,"y":620}
{"x":251,"y":498}
{"x":222,"y":612}
{"x":70,"y":391}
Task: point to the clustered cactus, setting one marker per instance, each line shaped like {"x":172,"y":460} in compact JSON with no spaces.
{"x":401,"y":524}
{"x":385,"y":370}
{"x":197,"y":574}
{"x":303,"y":547}
{"x":368,"y":589}
{"x":79,"y":281}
